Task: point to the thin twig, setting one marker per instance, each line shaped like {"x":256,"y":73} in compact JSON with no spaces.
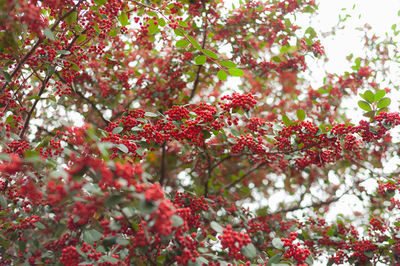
{"x":240,"y":179}
{"x":209,"y":171}
{"x":163,"y":166}
{"x":314,"y":205}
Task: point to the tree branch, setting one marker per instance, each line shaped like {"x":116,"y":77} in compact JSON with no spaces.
{"x":244,"y":175}
{"x":29,"y":115}
{"x":36,"y":45}
{"x":197,"y":80}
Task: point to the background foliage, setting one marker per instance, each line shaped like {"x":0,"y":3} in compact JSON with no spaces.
{"x":191,"y":110}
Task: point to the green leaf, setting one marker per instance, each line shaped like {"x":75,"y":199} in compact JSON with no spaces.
{"x":210,"y":54}
{"x":179,"y":33}
{"x":113,"y":32}
{"x":117,"y":130}
{"x":379,"y":95}
{"x":123,"y":148}
{"x":301,"y":115}
{"x":236,"y":72}
{"x":182,"y":43}
{"x":106,"y":258}
{"x":369,"y":114}
{"x":113,"y":200}
{"x":222,"y":75}
{"x":277,"y":243}
{"x":309,"y":260}
{"x":96,"y":28}
{"x":385,"y":102}
{"x":152,"y":28}
{"x":150,"y":114}
{"x":81,"y":38}
{"x":176,"y":220}
{"x":100,"y":2}
{"x":50,"y":70}
{"x":161,"y":22}
{"x":369,"y":254}
{"x":330,"y":262}
{"x":49,"y":34}
{"x":216,"y":227}
{"x":228,"y":64}
{"x":72,"y":18}
{"x":147,"y":207}
{"x":123,"y":19}
{"x":183,"y":24}
{"x":63,"y":52}
{"x":249,"y":251}
{"x":274,"y":259}
{"x":286,"y":120}
{"x":40,"y":226}
{"x":201,"y":59}
{"x":128,"y":211}
{"x":91,"y":236}
{"x":368,"y":96}
{"x":6,"y":76}
{"x":365,"y":106}
{"x":194,"y":43}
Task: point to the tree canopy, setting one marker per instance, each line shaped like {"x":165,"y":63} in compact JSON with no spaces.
{"x":191,"y":111}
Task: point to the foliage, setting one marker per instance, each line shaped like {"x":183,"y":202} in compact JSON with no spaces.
{"x":168,"y":155}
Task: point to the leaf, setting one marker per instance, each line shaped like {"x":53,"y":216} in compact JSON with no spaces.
{"x":201,"y":59}
{"x":63,"y":52}
{"x":301,"y":115}
{"x":6,"y":76}
{"x":123,"y":19}
{"x":182,"y":43}
{"x":50,"y":70}
{"x":194,"y":43}
{"x":72,"y":18}
{"x":309,"y":260}
{"x":117,"y":130}
{"x":179,"y":33}
{"x":385,"y":102}
{"x":228,"y":64}
{"x":91,"y":236}
{"x":161,"y":22}
{"x":106,"y":258}
{"x":330,"y":262}
{"x":183,"y":24}
{"x":222,"y":75}
{"x":365,"y":106}
{"x":49,"y":34}
{"x":274,"y":259}
{"x":100,"y":2}
{"x":176,"y":220}
{"x":147,"y":207}
{"x":369,"y":254}
{"x":236,"y":72}
{"x":379,"y":95}
{"x":150,"y":114}
{"x":81,"y":38}
{"x":369,"y":114}
{"x":210,"y":54}
{"x":128,"y":211}
{"x":249,"y":251}
{"x":123,"y":148}
{"x":216,"y":227}
{"x":286,"y":120}
{"x":277,"y":243}
{"x":368,"y":96}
